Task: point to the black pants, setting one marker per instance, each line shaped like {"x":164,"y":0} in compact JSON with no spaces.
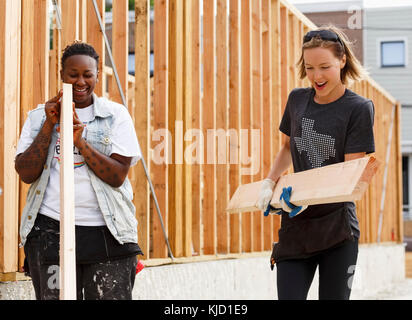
{"x":108,"y":280}
{"x":336,"y":271}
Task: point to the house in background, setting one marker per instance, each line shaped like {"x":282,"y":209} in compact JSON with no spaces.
{"x":382,"y":38}
{"x":388,"y":53}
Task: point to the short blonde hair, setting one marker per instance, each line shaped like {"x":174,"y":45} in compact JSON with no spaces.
{"x":353,"y":69}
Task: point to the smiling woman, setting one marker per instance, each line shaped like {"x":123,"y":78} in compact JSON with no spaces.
{"x":105,"y":147}
{"x":324,"y":124}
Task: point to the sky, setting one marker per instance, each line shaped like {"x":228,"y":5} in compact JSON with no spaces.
{"x":366,"y":3}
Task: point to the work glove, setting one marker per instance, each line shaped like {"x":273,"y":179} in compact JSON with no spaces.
{"x":289,"y":207}
{"x":265,"y":195}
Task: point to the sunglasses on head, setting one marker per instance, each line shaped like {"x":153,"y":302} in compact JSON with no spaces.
{"x":326,"y":35}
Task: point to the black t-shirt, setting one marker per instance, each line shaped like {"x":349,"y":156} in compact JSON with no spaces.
{"x":321,"y":135}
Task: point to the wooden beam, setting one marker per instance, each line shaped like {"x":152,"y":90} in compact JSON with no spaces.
{"x":67,"y":273}
{"x":160,"y":116}
{"x":209,"y":122}
{"x":234,"y":117}
{"x":222,"y":123}
{"x":258,"y":147}
{"x":187,"y":117}
{"x":70,"y":21}
{"x":142,"y":121}
{"x":246,"y":105}
{"x":95,"y":39}
{"x":120,"y":45}
{"x":313,"y":186}
{"x":269,"y":130}
{"x":175,"y":122}
{"x":10,"y":32}
{"x":196,"y":124}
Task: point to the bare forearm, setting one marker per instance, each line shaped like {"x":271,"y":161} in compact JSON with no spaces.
{"x":282,"y":162}
{"x":29,"y":164}
{"x":107,"y":169}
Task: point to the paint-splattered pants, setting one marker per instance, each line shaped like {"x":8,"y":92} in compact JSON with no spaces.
{"x":111,"y":280}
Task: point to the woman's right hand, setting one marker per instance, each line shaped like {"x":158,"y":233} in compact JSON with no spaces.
{"x":266,"y":193}
{"x":52,"y":108}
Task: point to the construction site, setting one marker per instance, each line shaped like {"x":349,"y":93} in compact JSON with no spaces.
{"x":220,"y":66}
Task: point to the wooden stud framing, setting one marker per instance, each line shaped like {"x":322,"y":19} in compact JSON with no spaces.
{"x":234,"y":117}
{"x":246,"y":91}
{"x":196,"y":124}
{"x":10,"y":31}
{"x":209,"y":122}
{"x":70,"y":21}
{"x":175,"y":118}
{"x":222,"y":115}
{"x":141,"y":118}
{"x":160,"y":116}
{"x":262,"y":145}
{"x":120,"y":48}
{"x":95,"y":39}
{"x":187,"y":119}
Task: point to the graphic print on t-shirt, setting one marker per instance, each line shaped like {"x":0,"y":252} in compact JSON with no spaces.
{"x":77,"y":156}
{"x":319,"y":147}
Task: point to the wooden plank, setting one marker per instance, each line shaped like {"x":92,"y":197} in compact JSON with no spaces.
{"x":354,"y":177}
{"x":83,"y":20}
{"x":120,"y":48}
{"x":261,"y":145}
{"x":41,"y":51}
{"x":398,"y":174}
{"x":10,"y":32}
{"x":13,"y":276}
{"x":246,"y":103}
{"x":70,"y":21}
{"x":187,"y":125}
{"x":175,"y":119}
{"x":142,"y":121}
{"x":209,"y":122}
{"x":160,"y":116}
{"x":95,"y":39}
{"x":67,"y":275}
{"x":222,"y":103}
{"x":284,"y":79}
{"x":234,"y":117}
{"x":27,"y":84}
{"x":277,"y":106}
{"x":292,"y":30}
{"x":269,"y":131}
{"x":196,"y":124}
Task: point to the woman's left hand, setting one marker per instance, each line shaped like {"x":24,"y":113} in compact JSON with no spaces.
{"x":78,"y":127}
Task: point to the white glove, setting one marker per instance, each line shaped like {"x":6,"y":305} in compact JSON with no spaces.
{"x":266,"y":193}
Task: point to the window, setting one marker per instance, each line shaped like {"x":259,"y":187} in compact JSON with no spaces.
{"x":392,"y":53}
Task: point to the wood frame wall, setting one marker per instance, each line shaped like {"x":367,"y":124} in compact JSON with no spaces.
{"x":236,"y":76}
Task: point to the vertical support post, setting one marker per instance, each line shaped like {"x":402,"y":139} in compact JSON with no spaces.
{"x":67,"y":229}
{"x":120,"y":45}
{"x":209,"y":122}
{"x":142,"y":120}
{"x":234,"y":118}
{"x":10,"y":29}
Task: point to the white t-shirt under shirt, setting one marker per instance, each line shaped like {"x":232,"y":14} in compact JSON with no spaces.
{"x":87,"y":211}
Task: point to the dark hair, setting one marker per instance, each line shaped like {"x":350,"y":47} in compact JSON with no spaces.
{"x":81,"y":48}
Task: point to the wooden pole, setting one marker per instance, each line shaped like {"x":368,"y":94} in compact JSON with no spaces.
{"x":67,"y":230}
